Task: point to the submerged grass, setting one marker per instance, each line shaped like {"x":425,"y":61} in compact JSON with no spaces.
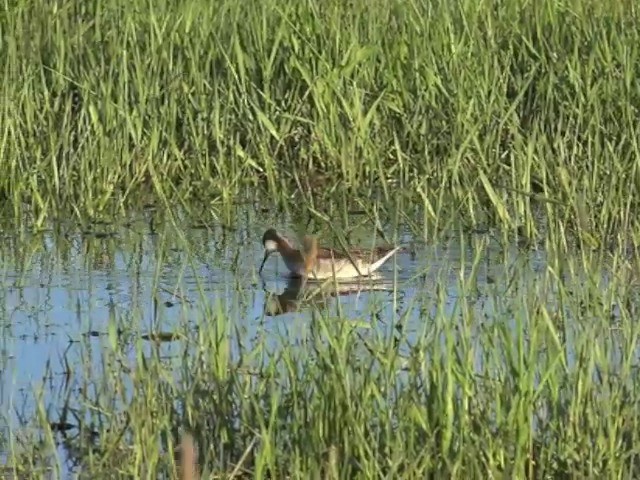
{"x":481,"y":109}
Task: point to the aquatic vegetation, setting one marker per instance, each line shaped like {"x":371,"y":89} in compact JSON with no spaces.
{"x":497,"y":114}
{"x":145,"y":147}
{"x":505,"y":366}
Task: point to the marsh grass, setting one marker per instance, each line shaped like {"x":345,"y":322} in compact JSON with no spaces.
{"x":490,"y":112}
{"x":520,"y":115}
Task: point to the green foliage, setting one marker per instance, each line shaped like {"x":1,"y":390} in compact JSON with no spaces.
{"x":518,"y":114}
{"x":491,"y":108}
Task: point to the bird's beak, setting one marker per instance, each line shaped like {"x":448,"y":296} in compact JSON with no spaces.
{"x":264,"y":260}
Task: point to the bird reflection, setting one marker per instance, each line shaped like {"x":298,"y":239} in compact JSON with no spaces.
{"x":301,"y":293}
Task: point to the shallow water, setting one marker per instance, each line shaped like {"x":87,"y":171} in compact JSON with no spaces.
{"x":66,"y":296}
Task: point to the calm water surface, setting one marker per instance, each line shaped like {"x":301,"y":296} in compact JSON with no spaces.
{"x":65,"y":295}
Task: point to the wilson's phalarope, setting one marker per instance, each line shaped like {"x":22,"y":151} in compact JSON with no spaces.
{"x":321,"y":262}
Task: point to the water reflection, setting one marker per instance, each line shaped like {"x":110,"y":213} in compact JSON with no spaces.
{"x":301,"y":294}
{"x":67,"y":294}
{"x":67,"y":298}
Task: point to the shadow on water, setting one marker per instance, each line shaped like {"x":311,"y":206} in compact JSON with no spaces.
{"x":72,"y":300}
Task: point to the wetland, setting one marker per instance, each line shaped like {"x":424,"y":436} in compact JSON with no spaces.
{"x":145,"y":148}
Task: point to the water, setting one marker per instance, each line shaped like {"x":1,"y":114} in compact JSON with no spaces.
{"x":67,"y":296}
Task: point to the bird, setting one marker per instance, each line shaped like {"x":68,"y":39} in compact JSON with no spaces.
{"x":321,"y":262}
